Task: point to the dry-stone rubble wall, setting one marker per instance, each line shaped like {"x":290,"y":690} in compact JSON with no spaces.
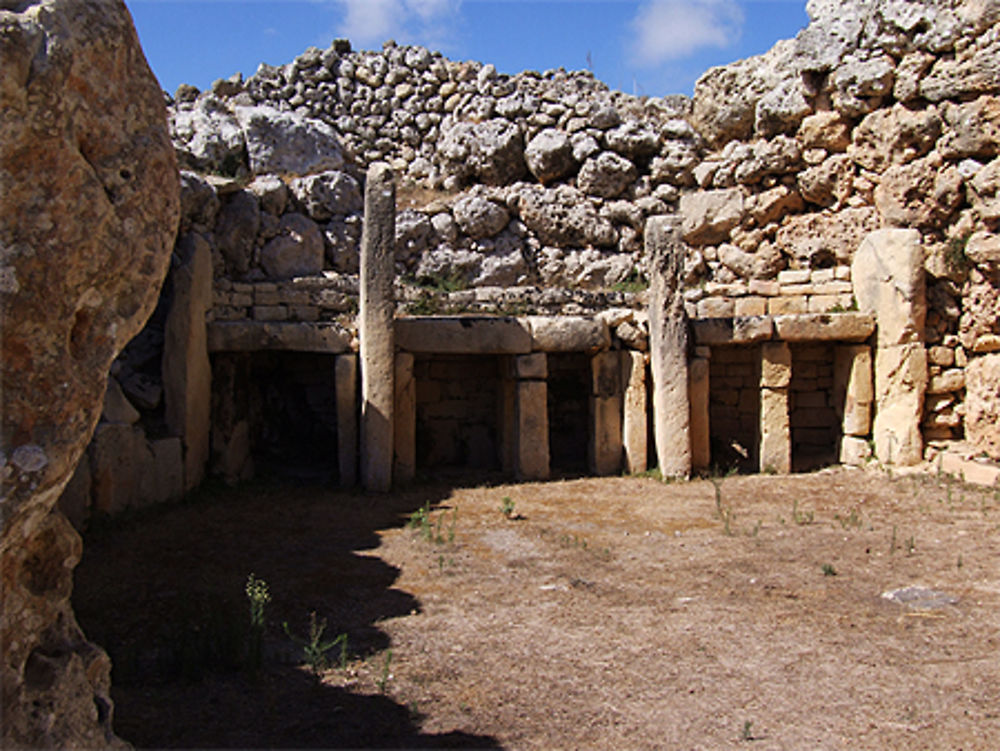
{"x":529,"y":195}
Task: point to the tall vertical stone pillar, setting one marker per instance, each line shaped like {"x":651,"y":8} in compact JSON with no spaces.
{"x":605,"y":413}
{"x":888,"y":275}
{"x":531,"y":438}
{"x":698,"y":385}
{"x":346,"y":387}
{"x":405,"y":420}
{"x":187,"y":372}
{"x":376,"y":329}
{"x":668,"y":346}
{"x":634,"y":420}
{"x":775,"y":431}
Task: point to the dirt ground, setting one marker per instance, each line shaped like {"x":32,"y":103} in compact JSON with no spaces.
{"x":597,"y":613}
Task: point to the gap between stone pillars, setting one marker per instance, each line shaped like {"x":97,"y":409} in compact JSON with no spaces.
{"x":346,"y":387}
{"x":634,"y":438}
{"x":531,"y":419}
{"x":605,"y":447}
{"x":405,"y":414}
{"x":775,"y":431}
{"x":376,"y":329}
{"x":668,"y":346}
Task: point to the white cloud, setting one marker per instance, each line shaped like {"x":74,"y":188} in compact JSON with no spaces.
{"x":671,"y":29}
{"x":370,"y":22}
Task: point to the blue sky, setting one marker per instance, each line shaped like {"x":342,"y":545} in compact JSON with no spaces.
{"x":653,"y":47}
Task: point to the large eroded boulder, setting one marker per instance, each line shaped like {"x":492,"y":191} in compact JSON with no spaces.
{"x":89,"y":212}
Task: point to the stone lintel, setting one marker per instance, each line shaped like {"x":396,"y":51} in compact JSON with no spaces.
{"x":737,"y":330}
{"x":813,"y":327}
{"x":254,"y":336}
{"x":568,"y":334}
{"x":464,"y":335}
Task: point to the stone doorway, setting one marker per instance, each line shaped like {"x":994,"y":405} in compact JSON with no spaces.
{"x":813,"y":422}
{"x":734,"y":408}
{"x":275,"y":414}
{"x":570,"y":421}
{"x":457,"y":411}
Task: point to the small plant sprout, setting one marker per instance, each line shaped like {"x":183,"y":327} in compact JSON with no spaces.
{"x":911,"y":545}
{"x":747,"y":733}
{"x":314,"y":648}
{"x":451,"y":527}
{"x":259,"y":595}
{"x":507,"y":507}
{"x":383,"y":679}
{"x":829,"y":570}
{"x":892,"y":541}
{"x":421,"y":520}
{"x":801,"y":517}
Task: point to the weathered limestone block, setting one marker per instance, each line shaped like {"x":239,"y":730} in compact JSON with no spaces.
{"x":296,"y":251}
{"x":532,"y":431}
{"x":89,"y":210}
{"x":375,"y":325}
{"x":900,"y":383}
{"x":853,"y":392}
{"x":120,"y":463}
{"x":698,"y":390}
{"x":534,"y":366}
{"x":463,"y":335}
{"x":187,"y":372}
{"x":888,"y":275}
{"x":634,"y":440}
{"x":710,"y":215}
{"x":568,"y":334}
{"x":807,"y":327}
{"x":606,"y":413}
{"x":735,"y":330}
{"x":854,"y":451}
{"x":166,"y":483}
{"x":982,"y":404}
{"x":286,"y":143}
{"x":775,"y":433}
{"x":668,"y":344}
{"x":775,"y":365}
{"x":117,"y":408}
{"x":549,"y":155}
{"x":346,"y":388}
{"x":404,"y":464}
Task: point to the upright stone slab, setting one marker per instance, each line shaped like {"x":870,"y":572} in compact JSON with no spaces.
{"x":888,"y":274}
{"x":668,"y":345}
{"x":507,"y":416}
{"x":775,"y":431}
{"x":606,"y":413}
{"x":852,"y":388}
{"x":346,"y":387}
{"x":634,"y":441}
{"x":405,"y":415}
{"x":376,"y":329}
{"x":698,"y":385}
{"x":187,"y":372}
{"x":532,"y":431}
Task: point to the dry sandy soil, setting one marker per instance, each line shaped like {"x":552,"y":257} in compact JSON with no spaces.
{"x":607,"y":613}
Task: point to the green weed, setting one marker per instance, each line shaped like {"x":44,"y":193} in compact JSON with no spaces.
{"x":801,"y":517}
{"x":314,"y":648}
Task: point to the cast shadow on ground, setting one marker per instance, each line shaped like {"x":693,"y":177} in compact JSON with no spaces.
{"x":163,"y":592}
